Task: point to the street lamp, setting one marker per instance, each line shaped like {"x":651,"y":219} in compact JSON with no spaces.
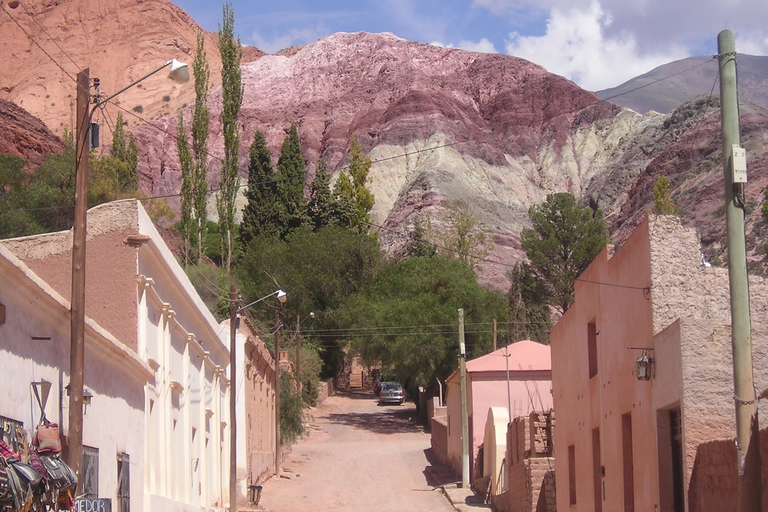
{"x":233,"y":311}
{"x":179,"y":73}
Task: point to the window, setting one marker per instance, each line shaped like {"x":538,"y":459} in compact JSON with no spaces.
{"x":90,"y":484}
{"x":123,"y":483}
{"x":572,"y":473}
{"x":592,"y":348}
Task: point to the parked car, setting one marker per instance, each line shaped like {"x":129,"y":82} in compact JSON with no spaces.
{"x":391,"y":393}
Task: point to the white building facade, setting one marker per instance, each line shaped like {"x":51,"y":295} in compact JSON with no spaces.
{"x":171,"y":408}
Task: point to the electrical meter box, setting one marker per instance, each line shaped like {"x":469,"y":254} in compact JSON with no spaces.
{"x":739,"y":164}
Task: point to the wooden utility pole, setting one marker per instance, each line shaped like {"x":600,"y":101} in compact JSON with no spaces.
{"x":463,"y":393}
{"x":734,"y":167}
{"x":77,"y":304}
{"x":298,"y":355}
{"x":232,"y":398}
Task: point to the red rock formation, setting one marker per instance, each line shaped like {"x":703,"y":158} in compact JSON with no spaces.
{"x":25,"y":136}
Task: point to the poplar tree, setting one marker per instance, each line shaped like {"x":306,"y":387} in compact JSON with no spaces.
{"x":186,"y":165}
{"x":127,"y":153}
{"x":193,"y":163}
{"x":201,"y":119}
{"x":232,"y":98}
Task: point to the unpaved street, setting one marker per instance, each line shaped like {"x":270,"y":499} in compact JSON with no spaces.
{"x":359,"y":457}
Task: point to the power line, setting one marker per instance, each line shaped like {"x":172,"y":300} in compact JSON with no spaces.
{"x":51,"y":37}
{"x":38,"y":44}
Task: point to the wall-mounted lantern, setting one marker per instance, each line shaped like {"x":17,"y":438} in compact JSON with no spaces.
{"x":644,"y":366}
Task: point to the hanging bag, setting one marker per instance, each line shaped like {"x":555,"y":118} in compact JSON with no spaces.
{"x":47,"y":438}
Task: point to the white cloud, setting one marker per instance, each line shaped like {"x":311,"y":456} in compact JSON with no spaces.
{"x":286,"y":40}
{"x":482,"y":46}
{"x":576,"y":46}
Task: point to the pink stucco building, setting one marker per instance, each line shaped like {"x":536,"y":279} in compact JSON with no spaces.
{"x":662,"y":444}
{"x":529,"y":387}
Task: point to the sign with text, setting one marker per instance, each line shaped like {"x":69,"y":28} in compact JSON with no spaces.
{"x":94,"y":505}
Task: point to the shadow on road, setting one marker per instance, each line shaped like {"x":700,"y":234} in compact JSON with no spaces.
{"x":387,"y":421}
{"x":436,"y":473}
{"x":356,"y":395}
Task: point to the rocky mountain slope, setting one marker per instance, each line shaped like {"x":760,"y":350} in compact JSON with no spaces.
{"x":666,"y":87}
{"x":443,"y":124}
{"x":26,"y":136}
{"x":46,"y":43}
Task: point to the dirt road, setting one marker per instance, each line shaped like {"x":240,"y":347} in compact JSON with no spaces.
{"x":359,"y":457}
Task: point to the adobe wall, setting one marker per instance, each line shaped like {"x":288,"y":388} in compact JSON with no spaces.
{"x":530,"y":468}
{"x":439,"y":438}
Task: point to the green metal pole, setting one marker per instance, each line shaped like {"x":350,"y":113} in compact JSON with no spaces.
{"x":747,"y":428}
{"x":464,"y":419}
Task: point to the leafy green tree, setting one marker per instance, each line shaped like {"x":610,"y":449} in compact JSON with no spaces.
{"x":291,"y":410}
{"x":354,"y":200}
{"x":291,"y":176}
{"x":419,"y":244}
{"x":406,"y":318}
{"x":260,"y":215}
{"x":529,"y":316}
{"x":662,"y":197}
{"x":464,"y":239}
{"x":319,"y":271}
{"x":565,"y":237}
{"x":321,"y":205}
{"x":232,"y":98}
{"x":127,"y":153}
{"x":41,"y":201}
{"x":201,"y":118}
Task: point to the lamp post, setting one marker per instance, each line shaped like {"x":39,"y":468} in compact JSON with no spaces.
{"x":233,"y":311}
{"x":179,"y":73}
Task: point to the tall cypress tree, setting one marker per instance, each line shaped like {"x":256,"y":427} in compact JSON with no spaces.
{"x":260,"y":212}
{"x":292,"y":174}
{"x":232,"y":98}
{"x":320,"y":207}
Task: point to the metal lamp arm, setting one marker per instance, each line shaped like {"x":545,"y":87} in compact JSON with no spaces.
{"x":276,"y":292}
{"x":99,"y":103}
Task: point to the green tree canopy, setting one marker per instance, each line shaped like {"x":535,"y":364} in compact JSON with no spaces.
{"x":291,"y":176}
{"x":354,"y":200}
{"x":407,"y":319}
{"x":321,"y":205}
{"x":464,"y":239}
{"x":529,"y":315}
{"x":662,"y":197}
{"x":261,"y":212}
{"x":565,"y":237}
{"x":418,"y":243}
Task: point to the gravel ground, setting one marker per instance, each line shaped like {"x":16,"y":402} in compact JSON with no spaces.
{"x":359,"y":456}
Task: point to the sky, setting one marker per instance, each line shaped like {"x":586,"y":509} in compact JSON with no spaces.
{"x":596,"y":43}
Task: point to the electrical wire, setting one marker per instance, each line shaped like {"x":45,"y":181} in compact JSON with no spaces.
{"x":38,"y":44}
